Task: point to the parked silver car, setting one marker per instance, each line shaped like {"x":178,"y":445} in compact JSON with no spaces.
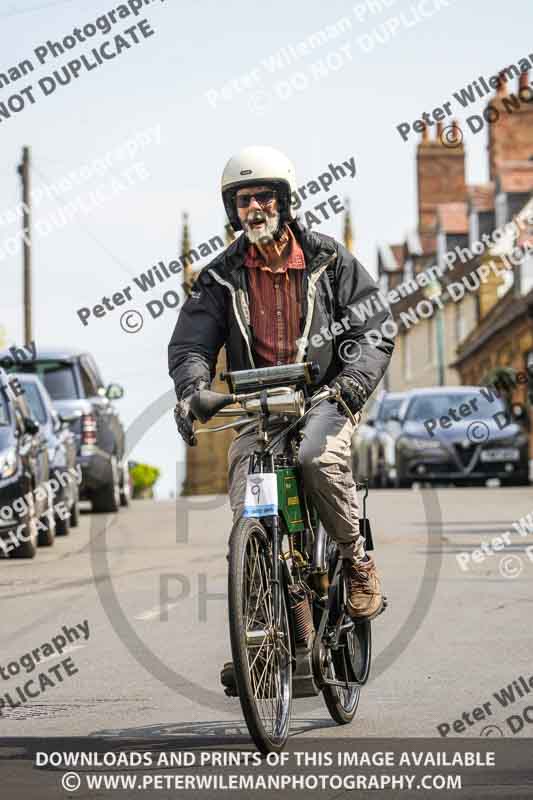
{"x":373,"y":443}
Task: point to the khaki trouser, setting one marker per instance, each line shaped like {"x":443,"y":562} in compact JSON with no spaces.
{"x":325,"y":460}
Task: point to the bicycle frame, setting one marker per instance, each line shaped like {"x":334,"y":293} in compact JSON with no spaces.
{"x":293,"y":506}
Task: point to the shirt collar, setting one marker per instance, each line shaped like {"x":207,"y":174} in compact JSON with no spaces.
{"x":294,"y":259}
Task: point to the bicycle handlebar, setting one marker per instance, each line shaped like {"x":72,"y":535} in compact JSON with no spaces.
{"x":206,"y":404}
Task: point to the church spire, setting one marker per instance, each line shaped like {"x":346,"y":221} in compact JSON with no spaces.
{"x":348,"y":232}
{"x":188,"y":274}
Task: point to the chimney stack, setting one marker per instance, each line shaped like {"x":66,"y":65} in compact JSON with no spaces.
{"x":511,"y":135}
{"x":440,"y":176}
{"x":502,"y":88}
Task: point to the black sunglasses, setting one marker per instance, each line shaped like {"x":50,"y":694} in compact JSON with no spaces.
{"x":263,"y":198}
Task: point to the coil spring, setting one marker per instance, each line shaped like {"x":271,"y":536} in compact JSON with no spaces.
{"x":301,"y":614}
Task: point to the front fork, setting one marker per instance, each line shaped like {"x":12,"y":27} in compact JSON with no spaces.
{"x":265,"y":463}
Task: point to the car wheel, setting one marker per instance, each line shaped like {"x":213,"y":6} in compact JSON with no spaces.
{"x":75,"y":512}
{"x":125,"y":487}
{"x":107,"y":499}
{"x":28,"y":548}
{"x":47,"y":529}
{"x":62,"y":525}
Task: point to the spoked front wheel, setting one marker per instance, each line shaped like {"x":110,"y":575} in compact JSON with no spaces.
{"x":260,"y":643}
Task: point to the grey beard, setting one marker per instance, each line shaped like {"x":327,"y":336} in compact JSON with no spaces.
{"x":266,"y":236}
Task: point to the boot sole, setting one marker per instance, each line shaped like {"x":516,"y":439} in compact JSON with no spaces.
{"x":369,"y":617}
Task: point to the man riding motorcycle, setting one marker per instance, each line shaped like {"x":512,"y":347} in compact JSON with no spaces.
{"x":276,"y":295}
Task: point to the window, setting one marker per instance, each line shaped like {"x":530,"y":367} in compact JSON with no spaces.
{"x":35,"y":401}
{"x":390,"y":406}
{"x":58,"y":377}
{"x":438,"y":405}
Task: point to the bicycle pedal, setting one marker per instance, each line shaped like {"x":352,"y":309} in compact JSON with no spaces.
{"x":227,"y":679}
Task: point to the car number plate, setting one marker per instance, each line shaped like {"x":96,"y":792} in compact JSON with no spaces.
{"x":501,"y":454}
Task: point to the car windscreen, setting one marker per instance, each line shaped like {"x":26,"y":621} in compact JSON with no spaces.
{"x":35,"y":401}
{"x":57,"y":376}
{"x":390,"y":406}
{"x":485,"y":404}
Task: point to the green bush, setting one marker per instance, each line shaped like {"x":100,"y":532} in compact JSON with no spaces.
{"x":144,"y":477}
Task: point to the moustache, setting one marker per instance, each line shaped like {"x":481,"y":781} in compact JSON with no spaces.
{"x":257,"y":216}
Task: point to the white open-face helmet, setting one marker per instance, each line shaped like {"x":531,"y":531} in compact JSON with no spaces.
{"x":258,"y":165}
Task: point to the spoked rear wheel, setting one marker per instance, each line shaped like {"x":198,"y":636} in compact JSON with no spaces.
{"x":351,"y":661}
{"x":260,"y":645}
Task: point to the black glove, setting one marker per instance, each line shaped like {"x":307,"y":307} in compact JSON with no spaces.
{"x":184,"y":416}
{"x":351,"y":392}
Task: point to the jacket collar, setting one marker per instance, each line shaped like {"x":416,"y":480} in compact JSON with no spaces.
{"x":317,"y":249}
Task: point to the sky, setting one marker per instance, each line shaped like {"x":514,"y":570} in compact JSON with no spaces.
{"x":321,"y":82}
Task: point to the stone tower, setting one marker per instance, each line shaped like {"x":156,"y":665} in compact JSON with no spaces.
{"x":348,"y":230}
{"x":206,"y":465}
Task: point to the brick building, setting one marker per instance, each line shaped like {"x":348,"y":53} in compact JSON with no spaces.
{"x":457,"y":342}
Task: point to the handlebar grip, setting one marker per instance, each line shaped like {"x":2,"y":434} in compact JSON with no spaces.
{"x":205,"y":403}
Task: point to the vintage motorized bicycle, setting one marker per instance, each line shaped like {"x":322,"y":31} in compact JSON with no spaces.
{"x":290,"y":634}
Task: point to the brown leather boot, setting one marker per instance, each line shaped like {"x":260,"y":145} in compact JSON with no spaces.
{"x":365,"y":599}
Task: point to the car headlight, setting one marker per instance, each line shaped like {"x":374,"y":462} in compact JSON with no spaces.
{"x":8,"y":463}
{"x":419,"y":445}
{"x":510,"y":441}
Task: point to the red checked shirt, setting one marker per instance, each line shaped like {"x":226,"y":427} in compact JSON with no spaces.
{"x":275,"y":305}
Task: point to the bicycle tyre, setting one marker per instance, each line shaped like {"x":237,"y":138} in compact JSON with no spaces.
{"x":250,"y":569}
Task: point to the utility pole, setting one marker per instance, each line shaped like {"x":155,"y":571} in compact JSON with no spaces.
{"x":24,"y":172}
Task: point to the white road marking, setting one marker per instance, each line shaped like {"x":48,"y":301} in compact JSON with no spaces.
{"x":155,"y":612}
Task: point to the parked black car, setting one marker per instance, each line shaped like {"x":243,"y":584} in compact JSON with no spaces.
{"x":61,"y":444}
{"x":460,"y":435}
{"x":75,"y":385}
{"x":25,"y":497}
{"x":373,"y":443}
